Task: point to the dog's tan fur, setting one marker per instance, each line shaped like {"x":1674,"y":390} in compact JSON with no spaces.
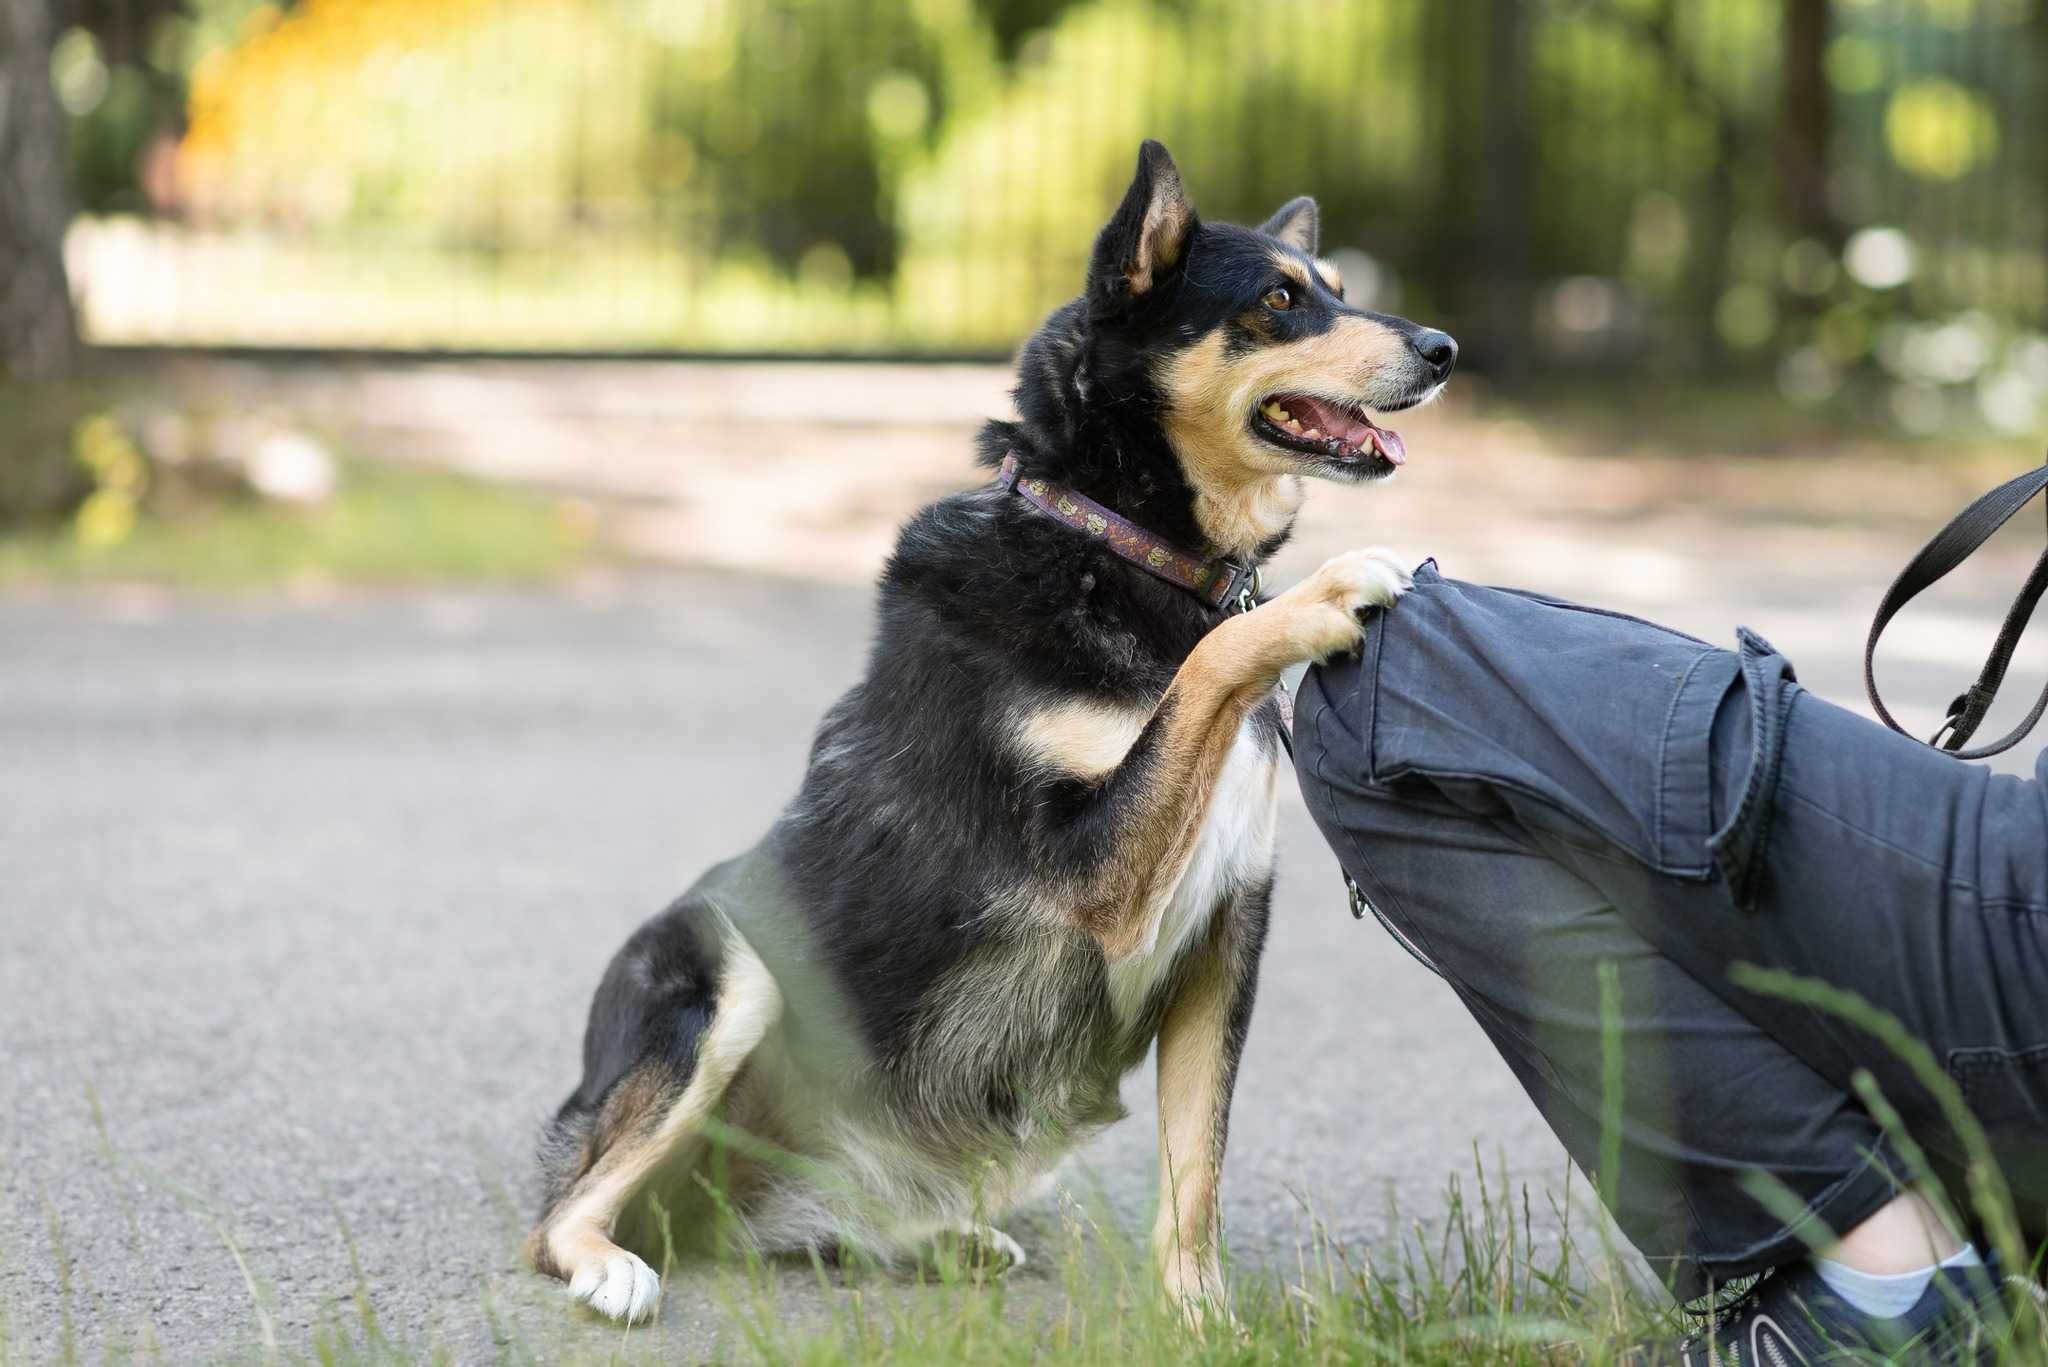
{"x":1246,"y":492}
{"x":1290,"y":266}
{"x":1194,"y":1103}
{"x":1167,"y":219}
{"x":1079,"y":737}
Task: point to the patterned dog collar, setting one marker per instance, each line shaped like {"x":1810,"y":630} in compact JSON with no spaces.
{"x":1219,"y":583}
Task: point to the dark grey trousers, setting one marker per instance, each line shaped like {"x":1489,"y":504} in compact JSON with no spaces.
{"x":1526,"y":788}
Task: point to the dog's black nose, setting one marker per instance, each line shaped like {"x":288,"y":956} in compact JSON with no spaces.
{"x":1438,"y":349}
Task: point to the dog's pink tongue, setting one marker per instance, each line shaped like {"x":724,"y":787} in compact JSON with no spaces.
{"x":1355,"y":431}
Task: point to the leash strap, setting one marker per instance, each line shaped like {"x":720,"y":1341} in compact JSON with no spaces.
{"x":1951,"y":546}
{"x":1219,"y":583}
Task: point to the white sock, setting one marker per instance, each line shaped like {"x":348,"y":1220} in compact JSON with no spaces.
{"x":1886,"y":1297}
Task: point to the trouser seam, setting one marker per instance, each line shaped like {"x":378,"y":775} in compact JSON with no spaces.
{"x":1658,"y":803}
{"x":1874,"y":838}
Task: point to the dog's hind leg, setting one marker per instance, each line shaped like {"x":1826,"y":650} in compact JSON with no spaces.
{"x":651,"y":1118}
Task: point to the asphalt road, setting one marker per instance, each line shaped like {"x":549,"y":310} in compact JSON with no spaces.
{"x":305,"y":901}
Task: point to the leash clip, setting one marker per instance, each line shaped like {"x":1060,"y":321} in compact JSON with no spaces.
{"x":1249,"y":583}
{"x":1357,"y":896}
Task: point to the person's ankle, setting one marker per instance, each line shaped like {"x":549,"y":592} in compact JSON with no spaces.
{"x":1887,"y":1295}
{"x":1907,"y":1234}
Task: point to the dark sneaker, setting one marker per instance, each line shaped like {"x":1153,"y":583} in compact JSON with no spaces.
{"x":1791,"y":1319}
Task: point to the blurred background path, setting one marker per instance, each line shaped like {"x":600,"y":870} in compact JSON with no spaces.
{"x":805,"y":470}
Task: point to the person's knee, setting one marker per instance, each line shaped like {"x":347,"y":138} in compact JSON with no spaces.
{"x":1448,"y":872}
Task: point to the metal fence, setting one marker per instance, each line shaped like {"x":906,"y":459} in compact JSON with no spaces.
{"x":1666,"y":183}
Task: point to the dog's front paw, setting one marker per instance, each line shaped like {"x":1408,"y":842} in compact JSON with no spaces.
{"x":997,"y":1250}
{"x":1325,"y":605}
{"x":976,"y":1250}
{"x":620,"y":1287}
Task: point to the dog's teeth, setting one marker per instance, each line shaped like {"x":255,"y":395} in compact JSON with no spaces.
{"x":1276,"y":412}
{"x":1313,"y":433}
{"x":1293,"y":426}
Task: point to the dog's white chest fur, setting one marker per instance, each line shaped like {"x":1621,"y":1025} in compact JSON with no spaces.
{"x":1235,"y":847}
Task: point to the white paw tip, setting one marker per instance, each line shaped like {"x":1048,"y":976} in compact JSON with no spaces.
{"x":620,"y":1288}
{"x":1007,"y":1247}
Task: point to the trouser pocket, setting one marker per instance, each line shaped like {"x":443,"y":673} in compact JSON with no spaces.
{"x":1566,"y":720}
{"x":2005,"y":1088}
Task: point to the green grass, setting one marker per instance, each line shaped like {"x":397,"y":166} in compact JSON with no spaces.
{"x":1500,"y":1276}
{"x":386,"y":525}
{"x":1494,"y":1282}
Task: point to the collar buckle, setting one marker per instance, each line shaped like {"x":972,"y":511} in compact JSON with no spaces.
{"x":1241,"y":591}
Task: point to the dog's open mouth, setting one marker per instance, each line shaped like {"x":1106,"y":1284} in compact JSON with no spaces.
{"x":1335,"y":431}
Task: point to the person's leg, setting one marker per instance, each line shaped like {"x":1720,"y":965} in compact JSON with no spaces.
{"x":1788,"y":833}
{"x":1907,"y":878}
{"x":1522,"y":939}
{"x":1915,"y":881}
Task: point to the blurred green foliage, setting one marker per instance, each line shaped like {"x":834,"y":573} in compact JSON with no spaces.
{"x":386,"y":525}
{"x":1566,"y":183}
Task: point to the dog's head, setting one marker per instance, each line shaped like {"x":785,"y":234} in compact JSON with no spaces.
{"x":1256,"y":369}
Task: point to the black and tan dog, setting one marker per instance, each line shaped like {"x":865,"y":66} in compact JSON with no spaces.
{"x":1038,"y":835}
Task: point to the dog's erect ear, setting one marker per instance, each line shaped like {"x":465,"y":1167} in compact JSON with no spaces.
{"x":1299,"y":224}
{"x":1144,"y":240}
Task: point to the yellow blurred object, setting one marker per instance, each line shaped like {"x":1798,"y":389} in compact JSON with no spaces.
{"x":1938,"y":129}
{"x":436,"y":112}
{"x":102,"y":447}
{"x":105,"y":519}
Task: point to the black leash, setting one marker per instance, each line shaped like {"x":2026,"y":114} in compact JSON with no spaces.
{"x":1951,"y":546}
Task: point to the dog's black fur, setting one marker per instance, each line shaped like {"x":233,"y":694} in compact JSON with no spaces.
{"x":915,"y":885}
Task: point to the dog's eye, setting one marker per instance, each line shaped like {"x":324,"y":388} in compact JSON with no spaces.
{"x":1278,"y":299}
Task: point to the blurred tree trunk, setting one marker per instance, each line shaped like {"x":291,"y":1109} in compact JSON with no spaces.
{"x":1805,"y":123}
{"x":1473,"y":265}
{"x":1506,"y":191}
{"x":38,"y":334}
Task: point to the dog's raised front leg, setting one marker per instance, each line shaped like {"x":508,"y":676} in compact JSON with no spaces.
{"x":1200,"y":1042}
{"x":1147,"y":813}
